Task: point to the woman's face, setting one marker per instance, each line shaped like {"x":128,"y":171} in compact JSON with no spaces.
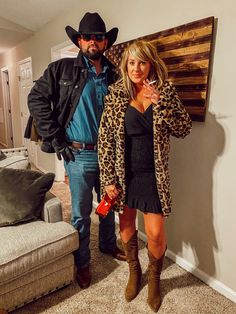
{"x":137,"y":70}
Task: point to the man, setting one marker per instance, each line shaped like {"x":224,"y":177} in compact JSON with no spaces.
{"x":66,"y":104}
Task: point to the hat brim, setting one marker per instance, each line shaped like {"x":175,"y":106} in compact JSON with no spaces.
{"x":73,"y":35}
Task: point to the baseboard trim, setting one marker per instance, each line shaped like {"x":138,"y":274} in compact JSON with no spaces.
{"x":210,"y":281}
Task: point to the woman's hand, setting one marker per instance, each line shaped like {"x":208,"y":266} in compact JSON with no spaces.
{"x":112,"y":191}
{"x":151,"y":92}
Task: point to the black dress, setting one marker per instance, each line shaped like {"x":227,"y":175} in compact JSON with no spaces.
{"x":141,"y":184}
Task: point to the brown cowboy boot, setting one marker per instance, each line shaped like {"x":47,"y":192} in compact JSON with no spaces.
{"x":154,"y":273}
{"x":135,"y":272}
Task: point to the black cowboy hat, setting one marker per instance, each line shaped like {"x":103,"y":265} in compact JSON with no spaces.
{"x":92,"y":23}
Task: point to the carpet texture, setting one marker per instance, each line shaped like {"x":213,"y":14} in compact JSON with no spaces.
{"x":182,"y":293}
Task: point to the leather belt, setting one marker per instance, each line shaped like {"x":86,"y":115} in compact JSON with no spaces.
{"x":83,"y":146}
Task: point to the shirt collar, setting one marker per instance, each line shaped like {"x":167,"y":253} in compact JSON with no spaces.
{"x":90,"y":66}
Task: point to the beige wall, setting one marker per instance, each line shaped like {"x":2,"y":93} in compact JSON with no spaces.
{"x":201,"y":229}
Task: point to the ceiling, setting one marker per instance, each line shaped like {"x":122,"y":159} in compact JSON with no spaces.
{"x":19,"y":19}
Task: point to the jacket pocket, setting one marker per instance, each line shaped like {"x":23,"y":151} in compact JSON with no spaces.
{"x":66,"y":88}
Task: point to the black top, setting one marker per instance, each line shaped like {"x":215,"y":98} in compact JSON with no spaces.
{"x":139,"y":140}
{"x":141,"y":187}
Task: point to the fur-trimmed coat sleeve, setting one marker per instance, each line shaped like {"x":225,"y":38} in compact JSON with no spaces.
{"x":172,"y":113}
{"x":106,"y":145}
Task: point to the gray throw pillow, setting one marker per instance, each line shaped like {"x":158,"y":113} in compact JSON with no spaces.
{"x":22,"y":194}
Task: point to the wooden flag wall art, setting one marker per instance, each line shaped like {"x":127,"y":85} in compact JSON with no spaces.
{"x":187,"y":52}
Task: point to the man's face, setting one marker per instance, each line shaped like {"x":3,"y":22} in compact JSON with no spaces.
{"x":92,"y":46}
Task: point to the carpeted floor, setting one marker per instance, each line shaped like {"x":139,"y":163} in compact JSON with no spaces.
{"x":182,"y":293}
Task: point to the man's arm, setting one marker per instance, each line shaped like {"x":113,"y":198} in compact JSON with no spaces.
{"x":40,"y":102}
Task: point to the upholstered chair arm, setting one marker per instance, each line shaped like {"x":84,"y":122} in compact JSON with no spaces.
{"x":52,"y":211}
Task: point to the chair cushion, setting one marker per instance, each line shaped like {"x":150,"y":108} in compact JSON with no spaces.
{"x":22,"y":194}
{"x":34,"y":244}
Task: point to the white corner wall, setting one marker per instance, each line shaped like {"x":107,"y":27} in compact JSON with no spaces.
{"x":201,"y":230}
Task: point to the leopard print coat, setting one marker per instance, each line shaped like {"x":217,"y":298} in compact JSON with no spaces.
{"x":169,"y":118}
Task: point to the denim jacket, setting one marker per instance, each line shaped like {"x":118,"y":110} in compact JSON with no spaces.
{"x":55,"y":95}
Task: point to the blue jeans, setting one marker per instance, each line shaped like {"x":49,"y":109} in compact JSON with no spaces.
{"x":83,"y":176}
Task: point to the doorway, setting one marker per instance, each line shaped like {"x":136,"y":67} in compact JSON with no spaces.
{"x":6,"y":115}
{"x":25,"y":85}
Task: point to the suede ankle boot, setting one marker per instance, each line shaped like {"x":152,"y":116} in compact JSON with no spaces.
{"x":135,"y":272}
{"x":154,"y":273}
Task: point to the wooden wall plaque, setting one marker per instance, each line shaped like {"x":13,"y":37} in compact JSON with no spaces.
{"x":187,"y":52}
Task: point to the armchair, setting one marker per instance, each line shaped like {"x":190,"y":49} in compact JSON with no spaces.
{"x":16,"y":158}
{"x":36,"y":257}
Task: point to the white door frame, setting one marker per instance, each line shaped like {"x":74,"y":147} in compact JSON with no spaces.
{"x":21,"y":109}
{"x":7,"y":111}
{"x":32,"y":149}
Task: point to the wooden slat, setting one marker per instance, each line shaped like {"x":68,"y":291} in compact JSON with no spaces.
{"x":181,"y":44}
{"x":192,"y":73}
{"x":190,"y":80}
{"x":185,"y":66}
{"x":193,"y":95}
{"x":195,"y":110}
{"x":192,"y":26}
{"x":191,"y":88}
{"x":197,"y":113}
{"x":193,"y":102}
{"x":186,"y":36}
{"x":187,"y":58}
{"x":186,"y":51}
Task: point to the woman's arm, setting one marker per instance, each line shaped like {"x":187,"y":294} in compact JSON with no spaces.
{"x":106,"y":145}
{"x":173,"y":112}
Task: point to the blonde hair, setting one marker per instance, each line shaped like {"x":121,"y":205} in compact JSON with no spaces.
{"x":144,"y":51}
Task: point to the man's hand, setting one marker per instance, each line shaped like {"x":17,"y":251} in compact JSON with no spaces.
{"x":63,"y":150}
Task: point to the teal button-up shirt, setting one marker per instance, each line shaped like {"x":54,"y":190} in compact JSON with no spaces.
{"x":84,"y":125}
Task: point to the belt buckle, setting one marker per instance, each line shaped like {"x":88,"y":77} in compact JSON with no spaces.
{"x":83,"y":146}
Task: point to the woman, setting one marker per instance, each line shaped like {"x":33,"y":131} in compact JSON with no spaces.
{"x":141,"y":111}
